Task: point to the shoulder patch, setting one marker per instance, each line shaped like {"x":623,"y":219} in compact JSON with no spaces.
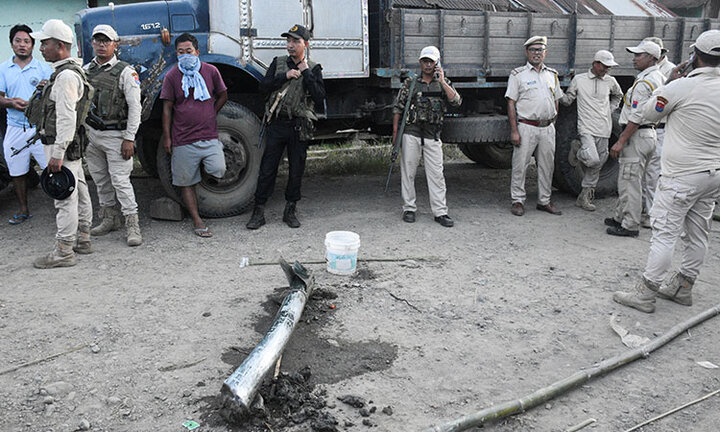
{"x":660,"y":104}
{"x":136,"y":77}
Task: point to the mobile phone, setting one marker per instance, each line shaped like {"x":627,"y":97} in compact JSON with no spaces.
{"x":437,"y":66}
{"x":689,"y":63}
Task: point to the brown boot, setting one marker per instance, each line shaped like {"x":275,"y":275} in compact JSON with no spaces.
{"x":642,"y":298}
{"x":83,"y":246}
{"x":132,"y":227}
{"x":111,"y":221}
{"x":585,"y":199}
{"x":61,"y":256}
{"x":678,"y":289}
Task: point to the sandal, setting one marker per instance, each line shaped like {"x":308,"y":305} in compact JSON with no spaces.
{"x":203,"y":232}
{"x":19,"y":218}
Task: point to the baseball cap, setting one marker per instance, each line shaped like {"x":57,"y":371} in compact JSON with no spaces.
{"x":298,"y":32}
{"x":646,"y":47}
{"x":536,"y":40}
{"x":708,"y":42}
{"x":54,"y":29}
{"x":430,"y":52}
{"x":658,"y":41}
{"x":106,"y":30}
{"x":605,"y":57}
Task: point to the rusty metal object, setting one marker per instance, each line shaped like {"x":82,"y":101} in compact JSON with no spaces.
{"x":239,"y":390}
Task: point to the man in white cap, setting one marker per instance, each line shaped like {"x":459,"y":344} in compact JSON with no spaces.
{"x":429,"y":99}
{"x":61,"y":105}
{"x":532,"y":95}
{"x":597,"y":94}
{"x":652,"y":172}
{"x":112,"y":124}
{"x":636,"y":143}
{"x":690,"y":181}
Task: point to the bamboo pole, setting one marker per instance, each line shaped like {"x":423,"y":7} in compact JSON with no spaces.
{"x":44,"y":359}
{"x":544,"y":394}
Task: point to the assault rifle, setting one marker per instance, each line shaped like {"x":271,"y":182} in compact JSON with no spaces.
{"x":400,"y":132}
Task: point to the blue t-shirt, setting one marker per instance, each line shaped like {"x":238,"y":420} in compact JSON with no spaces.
{"x":16,"y":82}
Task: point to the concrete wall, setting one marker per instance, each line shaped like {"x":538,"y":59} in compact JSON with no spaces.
{"x":34,"y":13}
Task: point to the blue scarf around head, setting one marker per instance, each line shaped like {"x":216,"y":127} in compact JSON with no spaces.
{"x":189,"y":65}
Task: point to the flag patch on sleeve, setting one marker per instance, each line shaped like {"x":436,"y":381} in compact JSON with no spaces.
{"x":635,"y":104}
{"x":660,"y":105}
{"x":137,"y":78}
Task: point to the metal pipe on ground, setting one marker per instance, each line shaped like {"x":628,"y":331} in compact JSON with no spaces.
{"x":239,"y":390}
{"x":544,"y":394}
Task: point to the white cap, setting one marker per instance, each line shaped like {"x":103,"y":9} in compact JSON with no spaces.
{"x":54,"y":29}
{"x":605,"y":57}
{"x":646,"y":47}
{"x":430,"y":52}
{"x":658,"y":41}
{"x":106,"y":30}
{"x":536,"y":40}
{"x":708,"y":42}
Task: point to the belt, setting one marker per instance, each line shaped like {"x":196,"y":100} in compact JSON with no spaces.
{"x":646,"y":127}
{"x":537,"y":123}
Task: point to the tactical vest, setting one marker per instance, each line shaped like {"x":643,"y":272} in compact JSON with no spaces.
{"x":41,"y":112}
{"x":428,"y":107}
{"x":295,"y":103}
{"x":109,"y":102}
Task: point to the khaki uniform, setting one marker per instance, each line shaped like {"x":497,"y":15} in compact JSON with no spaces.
{"x":652,"y":172}
{"x":77,"y":208}
{"x":690,"y":181}
{"x":109,"y":170}
{"x":535,"y":95}
{"x":422,"y":139}
{"x":638,"y":150}
{"x":597,"y":97}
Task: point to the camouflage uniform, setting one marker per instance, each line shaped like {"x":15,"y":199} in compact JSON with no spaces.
{"x":422,"y":138}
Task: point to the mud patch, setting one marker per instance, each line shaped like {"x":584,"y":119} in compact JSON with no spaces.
{"x":283,"y":402}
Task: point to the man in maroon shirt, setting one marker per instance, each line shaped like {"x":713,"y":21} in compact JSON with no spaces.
{"x":192,"y":93}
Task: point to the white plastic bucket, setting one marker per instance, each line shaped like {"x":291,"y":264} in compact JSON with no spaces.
{"x":341,"y":251}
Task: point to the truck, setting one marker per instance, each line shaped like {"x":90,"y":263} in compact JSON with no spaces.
{"x":367,"y":48}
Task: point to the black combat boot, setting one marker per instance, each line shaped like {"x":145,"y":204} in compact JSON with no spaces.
{"x":257,"y":219}
{"x":289,"y":216}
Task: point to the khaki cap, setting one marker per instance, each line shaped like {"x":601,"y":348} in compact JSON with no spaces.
{"x":54,"y":29}
{"x":646,"y":47}
{"x":605,"y":57}
{"x":708,"y":42}
{"x":536,"y":40}
{"x":106,"y":30}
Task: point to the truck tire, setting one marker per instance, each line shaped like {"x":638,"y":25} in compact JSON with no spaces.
{"x":238,"y":129}
{"x":568,"y":173}
{"x":491,"y":155}
{"x":147,"y":141}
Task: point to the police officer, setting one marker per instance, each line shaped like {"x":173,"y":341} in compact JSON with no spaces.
{"x":598,"y":94}
{"x":652,"y":172}
{"x":639,"y":135}
{"x":532,"y":94}
{"x":690,"y":181}
{"x":112,"y":124}
{"x":58,"y":111}
{"x":296,"y":92}
{"x":430,"y":96}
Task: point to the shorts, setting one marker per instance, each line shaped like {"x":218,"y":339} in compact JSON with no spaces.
{"x":19,"y":164}
{"x":188,"y":159}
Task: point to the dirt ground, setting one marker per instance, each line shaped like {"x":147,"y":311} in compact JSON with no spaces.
{"x":468,"y":317}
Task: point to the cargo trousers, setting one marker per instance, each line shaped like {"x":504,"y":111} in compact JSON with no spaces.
{"x":683,"y":208}
{"x":431,"y":150}
{"x":541,"y":141}
{"x":633,"y":161}
{"x":652,"y":172}
{"x":75,"y":210}
{"x":593,"y":154}
{"x":110,"y":171}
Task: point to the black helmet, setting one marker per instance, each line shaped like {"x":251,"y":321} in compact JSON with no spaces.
{"x":59,"y":185}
